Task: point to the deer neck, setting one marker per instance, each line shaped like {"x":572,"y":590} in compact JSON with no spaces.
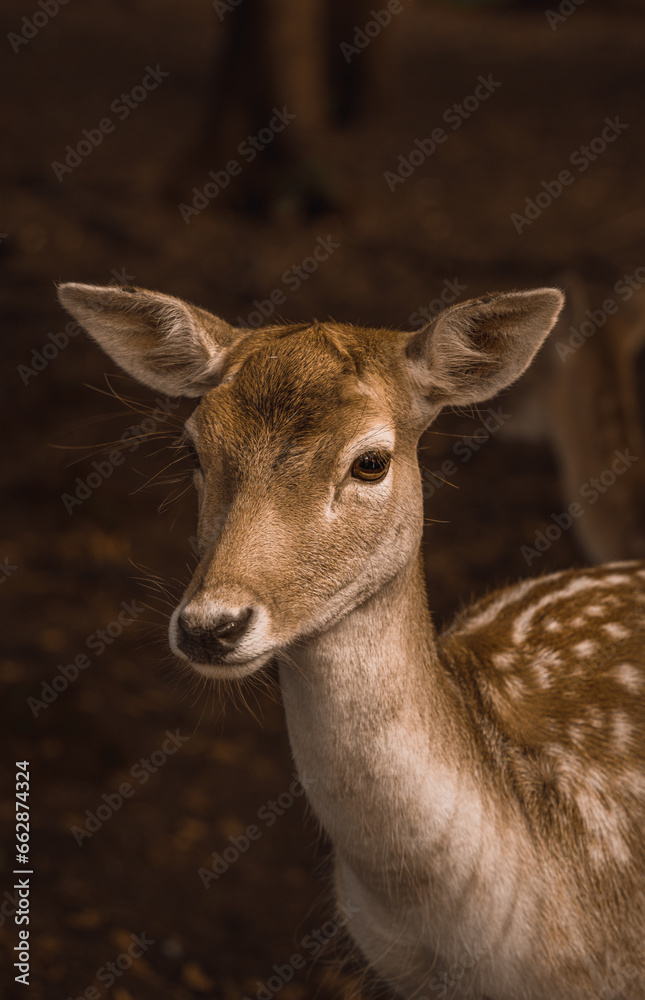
{"x":380,"y":736}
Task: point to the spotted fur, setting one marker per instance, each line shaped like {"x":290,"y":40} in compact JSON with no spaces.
{"x":484,"y":789}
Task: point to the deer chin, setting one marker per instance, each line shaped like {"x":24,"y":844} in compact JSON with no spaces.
{"x":230,"y":671}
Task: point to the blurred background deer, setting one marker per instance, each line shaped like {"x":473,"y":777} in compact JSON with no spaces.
{"x":586,"y":398}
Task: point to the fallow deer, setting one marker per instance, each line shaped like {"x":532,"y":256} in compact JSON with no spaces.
{"x":484,"y":788}
{"x":586,"y":396}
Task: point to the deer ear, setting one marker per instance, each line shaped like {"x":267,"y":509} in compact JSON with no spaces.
{"x":473,"y":350}
{"x":165,"y":343}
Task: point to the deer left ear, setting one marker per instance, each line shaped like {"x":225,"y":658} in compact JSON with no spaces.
{"x":474,"y":349}
{"x":163,"y":342}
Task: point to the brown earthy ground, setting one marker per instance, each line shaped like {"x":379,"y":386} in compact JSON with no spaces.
{"x":451,"y":220}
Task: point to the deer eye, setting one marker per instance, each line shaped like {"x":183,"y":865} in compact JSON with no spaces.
{"x":193,"y":457}
{"x":371,"y":466}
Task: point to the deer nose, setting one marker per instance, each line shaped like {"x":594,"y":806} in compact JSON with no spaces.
{"x":210,"y":643}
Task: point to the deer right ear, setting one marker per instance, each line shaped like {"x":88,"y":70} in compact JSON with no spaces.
{"x":164,"y":343}
{"x":476,"y":348}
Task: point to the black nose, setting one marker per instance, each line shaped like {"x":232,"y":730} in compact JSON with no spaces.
{"x":213,"y":642}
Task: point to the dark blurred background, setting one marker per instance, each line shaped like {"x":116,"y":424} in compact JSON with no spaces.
{"x":72,"y":552}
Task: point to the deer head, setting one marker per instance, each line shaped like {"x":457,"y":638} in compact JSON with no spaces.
{"x":304,"y":442}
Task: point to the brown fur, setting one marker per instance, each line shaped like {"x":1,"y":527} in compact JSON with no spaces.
{"x":484,"y":789}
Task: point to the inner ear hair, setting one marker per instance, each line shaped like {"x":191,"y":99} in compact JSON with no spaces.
{"x":474,"y":349}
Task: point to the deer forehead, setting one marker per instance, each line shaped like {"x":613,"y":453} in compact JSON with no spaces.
{"x":290,"y":396}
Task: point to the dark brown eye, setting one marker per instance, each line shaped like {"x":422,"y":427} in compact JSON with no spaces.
{"x":193,"y":457}
{"x":371,"y":466}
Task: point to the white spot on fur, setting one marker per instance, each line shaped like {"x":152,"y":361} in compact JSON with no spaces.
{"x":544,"y":661}
{"x":621,"y":731}
{"x":516,"y":687}
{"x":585,"y":648}
{"x":627,"y":675}
{"x":511,"y":596}
{"x":524,"y":620}
{"x":596,"y":611}
{"x":616,"y":630}
{"x":554,"y":625}
{"x":542,"y":676}
{"x":504,"y":661}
